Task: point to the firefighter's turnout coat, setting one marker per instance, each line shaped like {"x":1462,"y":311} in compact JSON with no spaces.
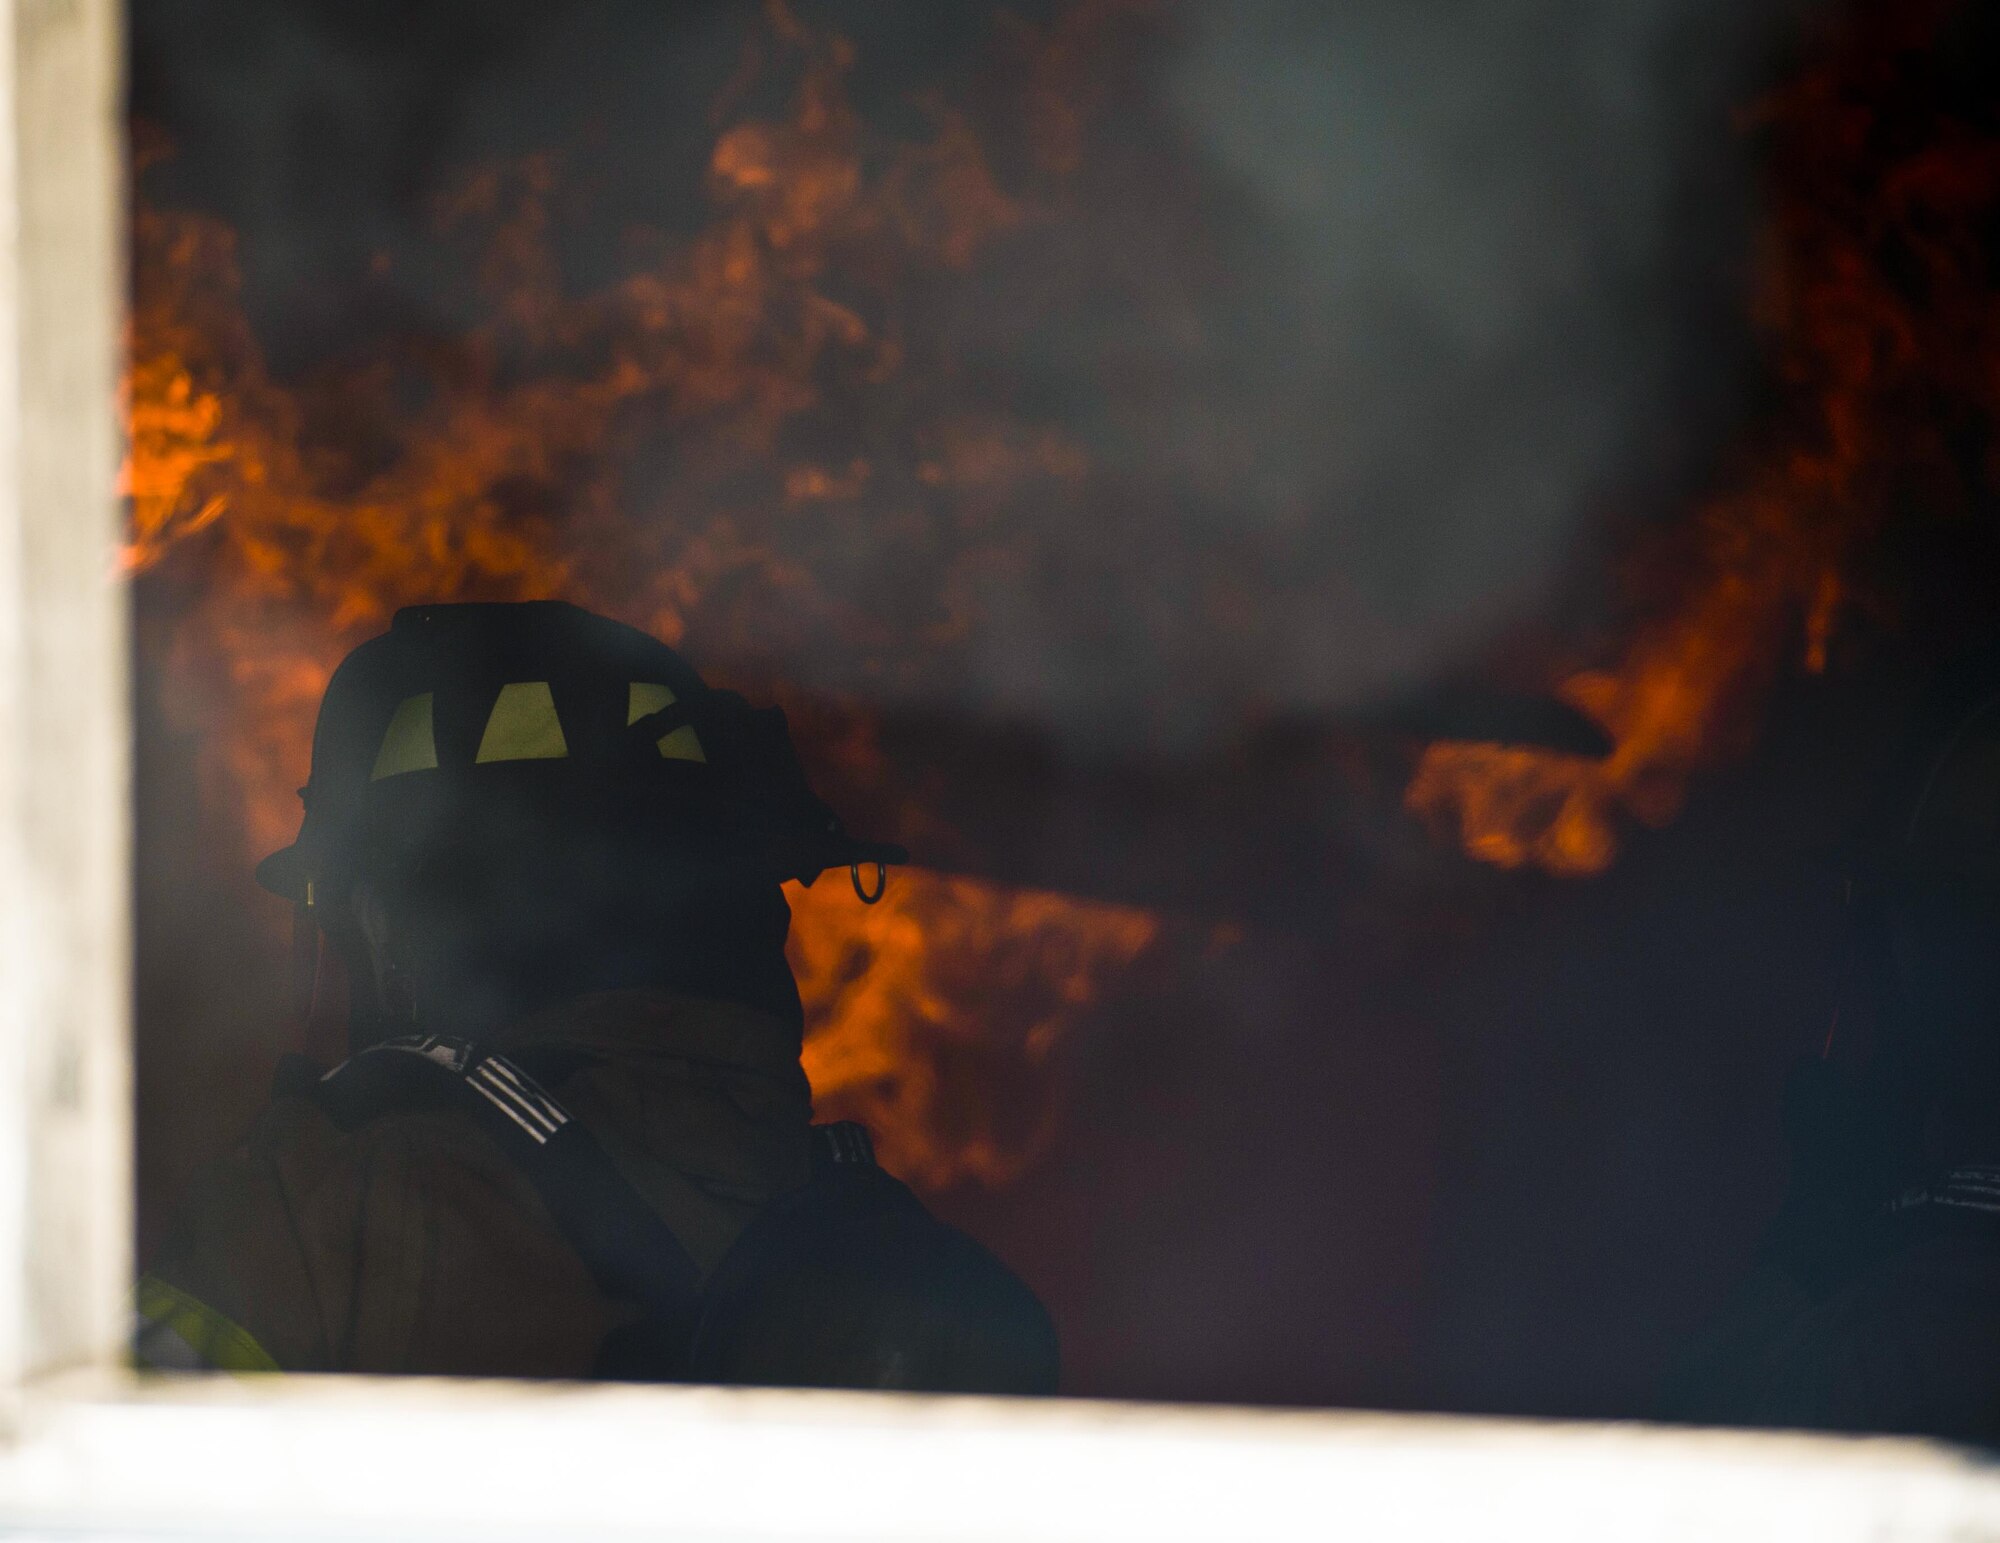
{"x":606,"y":1170}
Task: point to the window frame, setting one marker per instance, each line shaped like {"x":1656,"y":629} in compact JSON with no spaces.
{"x":89,"y":1448}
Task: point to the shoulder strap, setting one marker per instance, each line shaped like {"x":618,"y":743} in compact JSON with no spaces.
{"x":1970,"y":1191}
{"x":842,"y":1146}
{"x":628,"y":1249}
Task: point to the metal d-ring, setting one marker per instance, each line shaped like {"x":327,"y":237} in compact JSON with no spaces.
{"x":881,"y":882}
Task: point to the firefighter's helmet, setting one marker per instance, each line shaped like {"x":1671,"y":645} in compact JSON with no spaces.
{"x":479,"y":716}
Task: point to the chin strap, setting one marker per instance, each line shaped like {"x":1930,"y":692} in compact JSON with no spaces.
{"x":305,"y":958}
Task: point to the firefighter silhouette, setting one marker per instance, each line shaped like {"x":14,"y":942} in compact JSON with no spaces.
{"x":1875,"y":1301}
{"x":571,"y":1136}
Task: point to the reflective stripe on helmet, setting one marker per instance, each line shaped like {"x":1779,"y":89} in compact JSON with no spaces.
{"x":523,"y":725}
{"x":646,"y":698}
{"x":649,"y":697}
{"x":180,"y":1333}
{"x":410,"y":744}
{"x":683,"y":744}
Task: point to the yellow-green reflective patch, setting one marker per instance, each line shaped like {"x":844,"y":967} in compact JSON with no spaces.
{"x":523,"y":725}
{"x":647,"y":699}
{"x":179,"y":1332}
{"x":410,"y":744}
{"x":683,"y":744}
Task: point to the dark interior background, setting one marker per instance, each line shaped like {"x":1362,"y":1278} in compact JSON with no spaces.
{"x":1416,"y":1132}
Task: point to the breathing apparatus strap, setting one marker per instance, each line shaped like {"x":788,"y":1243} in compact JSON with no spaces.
{"x":629,"y":1251}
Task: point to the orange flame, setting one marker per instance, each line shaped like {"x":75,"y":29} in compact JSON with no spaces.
{"x":1877,"y":368}
{"x":263,"y":552}
{"x":892,"y":988}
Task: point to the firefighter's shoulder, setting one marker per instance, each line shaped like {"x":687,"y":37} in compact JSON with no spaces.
{"x":261,"y":1269}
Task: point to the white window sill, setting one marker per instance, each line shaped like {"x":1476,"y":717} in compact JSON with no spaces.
{"x":353,"y":1457}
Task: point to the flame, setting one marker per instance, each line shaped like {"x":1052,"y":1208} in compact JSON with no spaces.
{"x":264,"y":545}
{"x":1877,"y":368}
{"x":896,"y":1048}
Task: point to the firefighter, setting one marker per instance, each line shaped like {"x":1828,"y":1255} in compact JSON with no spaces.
{"x":571,"y":1136}
{"x":1875,"y":1304}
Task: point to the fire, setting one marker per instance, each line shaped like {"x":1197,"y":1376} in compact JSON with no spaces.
{"x":900,"y":1051}
{"x":264,"y":544}
{"x":1879,"y":319}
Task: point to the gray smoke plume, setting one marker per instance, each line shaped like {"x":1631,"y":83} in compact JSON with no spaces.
{"x":1368,"y":321}
{"x":1467,"y":284}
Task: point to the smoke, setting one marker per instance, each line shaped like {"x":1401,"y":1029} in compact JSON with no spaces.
{"x":1471,"y":284}
{"x":1335,"y":339}
{"x":1401,"y":309}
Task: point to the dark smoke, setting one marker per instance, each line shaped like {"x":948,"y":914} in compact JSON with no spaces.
{"x":1366,"y":321}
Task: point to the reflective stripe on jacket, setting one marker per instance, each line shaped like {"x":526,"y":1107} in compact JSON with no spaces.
{"x":179,"y":1333}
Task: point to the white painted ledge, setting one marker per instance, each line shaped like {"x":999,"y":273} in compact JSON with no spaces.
{"x":340,"y":1457}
